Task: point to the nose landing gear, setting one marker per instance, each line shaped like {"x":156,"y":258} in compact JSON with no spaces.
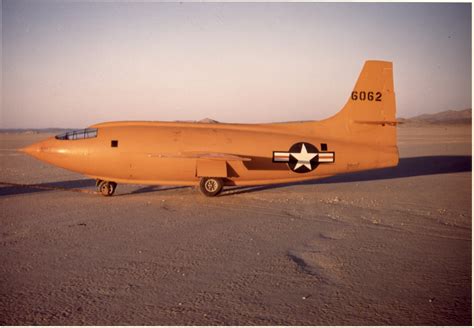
{"x":106,"y":188}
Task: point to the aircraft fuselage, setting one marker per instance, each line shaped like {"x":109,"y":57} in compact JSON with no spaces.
{"x":361,"y":136}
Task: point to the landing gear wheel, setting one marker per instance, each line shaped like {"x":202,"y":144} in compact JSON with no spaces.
{"x":211,"y":186}
{"x":107,"y":188}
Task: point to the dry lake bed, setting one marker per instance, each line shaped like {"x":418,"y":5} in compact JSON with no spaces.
{"x":389,"y":246}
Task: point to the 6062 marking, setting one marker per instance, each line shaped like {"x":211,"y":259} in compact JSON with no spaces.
{"x":366,"y":96}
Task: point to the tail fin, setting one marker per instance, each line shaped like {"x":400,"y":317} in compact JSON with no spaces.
{"x":370,"y":114}
{"x":373,"y":99}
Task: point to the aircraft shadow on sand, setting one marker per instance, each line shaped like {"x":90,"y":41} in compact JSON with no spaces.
{"x":407,"y":167}
{"x":70,"y":185}
{"x":81,"y":185}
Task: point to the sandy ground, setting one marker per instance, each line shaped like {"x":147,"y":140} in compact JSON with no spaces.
{"x":391,"y":246}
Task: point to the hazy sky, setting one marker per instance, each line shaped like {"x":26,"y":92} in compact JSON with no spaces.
{"x":68,"y":64}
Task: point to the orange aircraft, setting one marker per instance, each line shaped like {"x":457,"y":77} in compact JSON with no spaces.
{"x":362,"y":136}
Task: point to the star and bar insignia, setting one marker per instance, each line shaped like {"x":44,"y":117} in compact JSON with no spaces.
{"x":303,"y":157}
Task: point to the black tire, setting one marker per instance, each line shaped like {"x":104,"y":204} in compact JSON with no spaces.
{"x":99,"y":185}
{"x":114,"y":186}
{"x":211,"y":187}
{"x":107,"y":188}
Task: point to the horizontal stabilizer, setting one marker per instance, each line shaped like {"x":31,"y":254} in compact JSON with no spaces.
{"x":392,"y":123}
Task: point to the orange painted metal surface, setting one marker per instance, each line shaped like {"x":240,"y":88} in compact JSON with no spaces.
{"x":361,"y":136}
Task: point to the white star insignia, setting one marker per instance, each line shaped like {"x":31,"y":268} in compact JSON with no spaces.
{"x":304,"y":158}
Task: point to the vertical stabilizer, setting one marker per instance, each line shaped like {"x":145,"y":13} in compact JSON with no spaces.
{"x":373,"y":97}
{"x":370,"y":113}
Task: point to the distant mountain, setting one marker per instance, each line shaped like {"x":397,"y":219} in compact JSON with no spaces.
{"x":447,"y":117}
{"x":204,"y":120}
{"x":208,"y":120}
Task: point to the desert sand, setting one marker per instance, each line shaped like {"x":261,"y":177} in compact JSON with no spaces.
{"x":390,"y":246}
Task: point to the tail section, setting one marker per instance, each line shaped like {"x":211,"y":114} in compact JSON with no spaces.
{"x":372,"y":100}
{"x":369,"y":115}
{"x":366,"y":125}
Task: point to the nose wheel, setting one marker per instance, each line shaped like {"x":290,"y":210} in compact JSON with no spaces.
{"x":211,"y":186}
{"x":106,"y":188}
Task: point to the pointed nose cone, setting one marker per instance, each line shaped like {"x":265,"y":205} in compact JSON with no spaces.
{"x":38,"y":150}
{"x":31,"y":149}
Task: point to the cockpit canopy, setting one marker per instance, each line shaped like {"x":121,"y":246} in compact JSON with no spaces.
{"x":78,"y":134}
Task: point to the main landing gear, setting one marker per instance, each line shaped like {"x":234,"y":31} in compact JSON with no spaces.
{"x":211,"y":186}
{"x":106,"y":188}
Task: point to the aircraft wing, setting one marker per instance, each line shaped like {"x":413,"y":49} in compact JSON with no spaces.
{"x":203,"y":155}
